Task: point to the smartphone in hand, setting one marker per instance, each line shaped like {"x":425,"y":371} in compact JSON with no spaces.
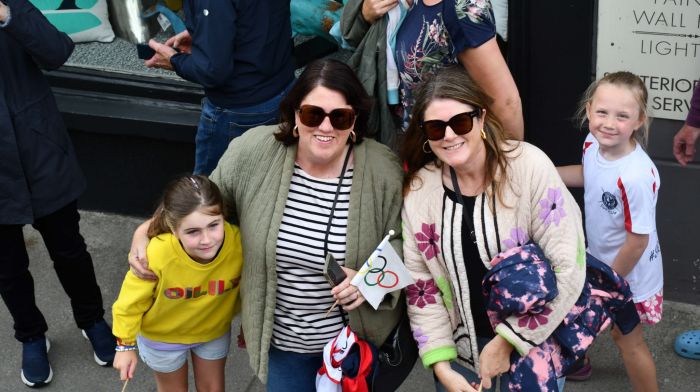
{"x":332,"y":271}
{"x":145,"y":52}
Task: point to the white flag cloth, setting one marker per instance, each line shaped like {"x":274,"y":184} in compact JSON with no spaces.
{"x":329,"y":377}
{"x":382,"y":273}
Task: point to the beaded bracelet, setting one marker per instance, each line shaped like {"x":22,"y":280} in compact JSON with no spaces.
{"x":125,"y":348}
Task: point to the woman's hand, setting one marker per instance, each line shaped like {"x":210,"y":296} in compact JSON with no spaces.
{"x":494,"y":360}
{"x":373,"y":10}
{"x":125,"y":362}
{"x":452,"y":380}
{"x":346,"y":294}
{"x":137,"y":255}
{"x":182,"y":41}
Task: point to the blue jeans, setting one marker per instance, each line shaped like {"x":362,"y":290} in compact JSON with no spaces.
{"x":472,"y":377}
{"x":290,"y":371}
{"x":218,"y":126}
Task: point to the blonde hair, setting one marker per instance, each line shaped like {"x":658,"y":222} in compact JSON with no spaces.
{"x":181,"y":198}
{"x":636,"y":87}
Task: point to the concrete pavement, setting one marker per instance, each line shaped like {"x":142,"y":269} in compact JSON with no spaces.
{"x":108,"y":238}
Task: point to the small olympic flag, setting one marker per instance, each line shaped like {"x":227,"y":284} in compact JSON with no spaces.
{"x":382,"y":273}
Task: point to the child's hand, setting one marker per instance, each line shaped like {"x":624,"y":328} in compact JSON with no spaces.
{"x":125,"y":363}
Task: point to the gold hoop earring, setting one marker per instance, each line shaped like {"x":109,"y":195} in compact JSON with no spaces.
{"x":295,"y":131}
{"x":353,"y":136}
{"x":483,"y":134}
{"x":426,"y":148}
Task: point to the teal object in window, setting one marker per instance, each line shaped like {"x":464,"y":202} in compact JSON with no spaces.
{"x":85,"y":4}
{"x":52,"y":5}
{"x":73,"y":22}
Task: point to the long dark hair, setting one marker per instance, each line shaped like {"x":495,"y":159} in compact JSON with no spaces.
{"x":333,"y":75}
{"x":453,"y":83}
{"x":182,"y":197}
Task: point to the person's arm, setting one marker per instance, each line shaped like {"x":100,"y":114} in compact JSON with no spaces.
{"x":451,"y":379}
{"x":135,"y":298}
{"x":556,"y":226}
{"x":213,"y":40}
{"x":48,"y":47}
{"x":487,"y":67}
{"x":685,"y":139}
{"x":638,"y":191}
{"x":572,"y":175}
{"x":125,"y":363}
{"x":138,"y":260}
{"x":630,"y":252}
{"x":684,"y":143}
{"x":353,"y":25}
{"x":428,"y":298}
{"x":496,"y":360}
{"x":373,"y":10}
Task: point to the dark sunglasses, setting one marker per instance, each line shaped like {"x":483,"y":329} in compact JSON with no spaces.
{"x":461,"y":124}
{"x":313,"y":116}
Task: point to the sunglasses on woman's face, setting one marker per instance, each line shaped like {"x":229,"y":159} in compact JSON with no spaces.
{"x":461,"y":124}
{"x":313,"y":116}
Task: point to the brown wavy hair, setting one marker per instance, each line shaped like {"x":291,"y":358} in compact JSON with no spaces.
{"x":331,"y":74}
{"x":182,"y":197}
{"x":453,"y":83}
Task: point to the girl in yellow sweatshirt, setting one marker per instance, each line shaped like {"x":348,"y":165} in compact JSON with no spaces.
{"x":197,"y":258}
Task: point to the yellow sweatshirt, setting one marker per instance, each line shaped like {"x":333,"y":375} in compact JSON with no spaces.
{"x":189,"y":303}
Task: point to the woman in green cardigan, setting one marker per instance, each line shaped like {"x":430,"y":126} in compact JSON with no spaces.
{"x":290,"y":185}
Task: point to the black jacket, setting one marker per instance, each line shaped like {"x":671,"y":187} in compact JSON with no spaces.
{"x":39,"y":173}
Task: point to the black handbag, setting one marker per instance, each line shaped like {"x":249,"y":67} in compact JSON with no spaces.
{"x":397,"y":356}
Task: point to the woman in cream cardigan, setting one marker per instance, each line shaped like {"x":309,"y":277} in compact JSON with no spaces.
{"x":469,"y":195}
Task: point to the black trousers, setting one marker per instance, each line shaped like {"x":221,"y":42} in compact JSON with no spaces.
{"x":73,"y":265}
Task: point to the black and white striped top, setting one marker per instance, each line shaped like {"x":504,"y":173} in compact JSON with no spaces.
{"x":303,"y":294}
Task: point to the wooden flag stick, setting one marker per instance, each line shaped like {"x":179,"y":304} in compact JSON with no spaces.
{"x":481,"y":385}
{"x":332,"y":307}
{"x":124,"y":387}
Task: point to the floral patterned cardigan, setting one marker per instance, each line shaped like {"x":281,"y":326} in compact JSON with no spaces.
{"x":535,"y":206}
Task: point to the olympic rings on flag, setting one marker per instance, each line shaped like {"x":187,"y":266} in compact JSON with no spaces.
{"x":381,"y":274}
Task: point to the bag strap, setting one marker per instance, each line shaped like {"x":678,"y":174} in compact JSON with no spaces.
{"x":335,"y":199}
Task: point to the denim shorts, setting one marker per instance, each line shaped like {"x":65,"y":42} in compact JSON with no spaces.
{"x":167,"y":361}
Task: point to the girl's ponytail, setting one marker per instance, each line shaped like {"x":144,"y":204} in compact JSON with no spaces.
{"x":158,"y":224}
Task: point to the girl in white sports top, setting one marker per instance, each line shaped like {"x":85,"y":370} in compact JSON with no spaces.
{"x":621,"y":185}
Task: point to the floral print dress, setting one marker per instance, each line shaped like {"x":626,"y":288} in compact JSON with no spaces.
{"x":431,"y":37}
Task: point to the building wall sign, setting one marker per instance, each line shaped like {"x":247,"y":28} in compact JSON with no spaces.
{"x":659,"y":40}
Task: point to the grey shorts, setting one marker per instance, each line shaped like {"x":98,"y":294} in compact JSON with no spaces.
{"x":167,"y":361}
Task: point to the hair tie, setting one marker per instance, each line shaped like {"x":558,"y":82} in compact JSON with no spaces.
{"x":194,"y":184}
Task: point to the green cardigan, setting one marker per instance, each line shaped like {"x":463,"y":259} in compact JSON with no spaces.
{"x":254,"y":176}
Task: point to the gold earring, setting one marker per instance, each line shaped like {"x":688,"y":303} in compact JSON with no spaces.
{"x":353,"y":136}
{"x":483,"y":134}
{"x":295,"y":131}
{"x":426,"y":148}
